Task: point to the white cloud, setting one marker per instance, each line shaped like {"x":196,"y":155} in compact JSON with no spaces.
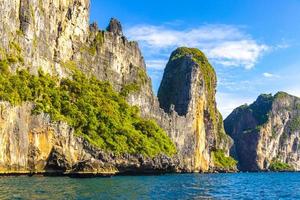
{"x":270,"y":75}
{"x":223,"y":44}
{"x":237,"y":53}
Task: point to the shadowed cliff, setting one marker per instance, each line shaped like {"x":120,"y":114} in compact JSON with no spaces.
{"x":266,"y":133}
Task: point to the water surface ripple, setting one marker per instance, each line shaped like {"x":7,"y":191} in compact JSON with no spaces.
{"x":176,"y":186}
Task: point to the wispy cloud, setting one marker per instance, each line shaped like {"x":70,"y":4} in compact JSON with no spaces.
{"x":224,"y":44}
{"x":270,"y":75}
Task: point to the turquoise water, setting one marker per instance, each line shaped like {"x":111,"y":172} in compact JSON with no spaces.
{"x":182,"y":186}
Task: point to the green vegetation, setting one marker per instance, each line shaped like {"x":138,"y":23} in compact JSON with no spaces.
{"x":130,"y":88}
{"x":294,"y":124}
{"x":243,"y":107}
{"x":35,"y":41}
{"x":222,"y":136}
{"x":274,"y":133}
{"x":6,"y":59}
{"x":96,"y":43}
{"x":135,"y":85}
{"x":15,"y":46}
{"x":280,"y":166}
{"x":142,"y":76}
{"x":281,"y":95}
{"x":185,"y":51}
{"x":92,"y":107}
{"x":298,"y":106}
{"x":20,"y":33}
{"x":41,"y":8}
{"x":261,"y":108}
{"x":223,"y":161}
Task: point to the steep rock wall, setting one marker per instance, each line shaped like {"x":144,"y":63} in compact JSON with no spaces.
{"x":33,"y":144}
{"x":43,"y":33}
{"x":266,"y":132}
{"x":187,"y":92}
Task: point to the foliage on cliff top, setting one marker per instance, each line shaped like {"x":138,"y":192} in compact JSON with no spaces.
{"x":222,"y":161}
{"x":261,"y":108}
{"x":294,"y":124}
{"x":280,"y":95}
{"x":92,"y":107}
{"x":136,"y":84}
{"x":11,"y":57}
{"x":280,"y":166}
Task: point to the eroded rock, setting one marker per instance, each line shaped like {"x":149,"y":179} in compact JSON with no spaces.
{"x":266,"y":132}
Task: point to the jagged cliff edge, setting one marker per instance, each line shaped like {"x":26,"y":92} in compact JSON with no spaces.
{"x":54,"y":35}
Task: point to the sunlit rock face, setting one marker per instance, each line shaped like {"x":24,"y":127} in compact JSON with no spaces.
{"x":56,"y":36}
{"x":265,"y":132}
{"x":187,"y":93}
{"x":33,"y":144}
{"x":46,"y":31}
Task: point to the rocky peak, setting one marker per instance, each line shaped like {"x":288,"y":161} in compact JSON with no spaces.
{"x":115,"y":27}
{"x":250,"y":116}
{"x":94,"y":27}
{"x":187,"y":70}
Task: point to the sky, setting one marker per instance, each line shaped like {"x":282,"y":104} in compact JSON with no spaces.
{"x":254,"y":45}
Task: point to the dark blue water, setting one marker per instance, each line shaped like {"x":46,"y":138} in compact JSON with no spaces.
{"x":182,"y":186}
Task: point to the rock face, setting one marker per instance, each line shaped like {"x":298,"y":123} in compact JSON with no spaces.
{"x":56,"y":37}
{"x":266,"y":132}
{"x":187,"y":94}
{"x":47,"y":32}
{"x":32,"y":144}
{"x":115,"y":27}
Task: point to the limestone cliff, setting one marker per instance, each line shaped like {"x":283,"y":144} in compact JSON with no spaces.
{"x":187,"y":93}
{"x":33,"y":144}
{"x":266,"y":133}
{"x":42,"y":33}
{"x":55,"y":36}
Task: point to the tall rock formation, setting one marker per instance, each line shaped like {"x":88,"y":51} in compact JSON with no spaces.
{"x":56,"y":37}
{"x":266,"y":133}
{"x":187,"y":93}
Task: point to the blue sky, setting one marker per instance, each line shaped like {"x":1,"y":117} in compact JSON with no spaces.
{"x":254,"y":45}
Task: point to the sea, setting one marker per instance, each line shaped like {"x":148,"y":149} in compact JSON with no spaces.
{"x":171,"y":186}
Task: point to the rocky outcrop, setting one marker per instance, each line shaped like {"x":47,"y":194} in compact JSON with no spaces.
{"x":115,"y":27}
{"x":56,"y":37}
{"x":266,"y":133}
{"x":187,"y":94}
{"x":33,"y":144}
